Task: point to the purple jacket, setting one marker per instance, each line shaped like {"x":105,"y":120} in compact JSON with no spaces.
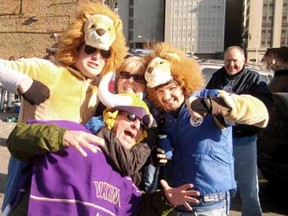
{"x":68,"y":183}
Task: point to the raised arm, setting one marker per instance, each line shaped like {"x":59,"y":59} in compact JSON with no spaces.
{"x":236,"y":109}
{"x":32,"y":90}
{"x":26,"y":141}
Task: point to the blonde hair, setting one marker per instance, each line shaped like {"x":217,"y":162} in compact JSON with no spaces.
{"x":73,"y":38}
{"x":133,"y":63}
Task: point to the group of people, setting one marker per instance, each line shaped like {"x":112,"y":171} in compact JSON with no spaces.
{"x":85,"y":148}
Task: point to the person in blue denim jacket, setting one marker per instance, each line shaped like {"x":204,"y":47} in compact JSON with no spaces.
{"x":198,"y":127}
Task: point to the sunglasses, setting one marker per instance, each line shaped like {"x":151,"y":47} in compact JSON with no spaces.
{"x":90,"y":50}
{"x":136,"y":77}
{"x":132,"y":118}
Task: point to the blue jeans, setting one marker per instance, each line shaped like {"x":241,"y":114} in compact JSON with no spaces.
{"x":150,"y":178}
{"x":246,"y":174}
{"x":14,"y":180}
{"x":220,"y":208}
{"x":214,"y":212}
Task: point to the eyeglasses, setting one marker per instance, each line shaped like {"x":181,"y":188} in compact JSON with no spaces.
{"x":136,"y":77}
{"x":132,"y":118}
{"x":90,"y":50}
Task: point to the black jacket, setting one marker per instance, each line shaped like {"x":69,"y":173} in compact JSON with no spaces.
{"x":244,"y":82}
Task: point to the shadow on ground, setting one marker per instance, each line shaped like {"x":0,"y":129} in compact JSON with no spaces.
{"x":273,"y":199}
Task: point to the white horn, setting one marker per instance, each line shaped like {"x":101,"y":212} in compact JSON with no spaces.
{"x":109,"y":99}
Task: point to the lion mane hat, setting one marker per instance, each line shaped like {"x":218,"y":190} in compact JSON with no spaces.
{"x":167,"y":63}
{"x":98,"y":26}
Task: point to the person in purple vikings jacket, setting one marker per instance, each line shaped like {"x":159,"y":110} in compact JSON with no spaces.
{"x":65,"y":182}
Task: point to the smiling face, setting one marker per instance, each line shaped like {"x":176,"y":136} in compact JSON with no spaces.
{"x":90,"y":64}
{"x":234,"y":61}
{"x":127,"y":130}
{"x":170,"y":96}
{"x":126,"y":82}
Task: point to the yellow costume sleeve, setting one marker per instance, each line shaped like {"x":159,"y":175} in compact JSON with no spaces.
{"x":245,"y":109}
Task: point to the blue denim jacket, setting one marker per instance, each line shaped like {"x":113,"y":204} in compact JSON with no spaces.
{"x":202,"y":154}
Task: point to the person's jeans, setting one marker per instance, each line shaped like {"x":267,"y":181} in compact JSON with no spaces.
{"x":215,"y":212}
{"x":217,"y":209}
{"x":246,"y":174}
{"x":14,"y":180}
{"x":150,"y":178}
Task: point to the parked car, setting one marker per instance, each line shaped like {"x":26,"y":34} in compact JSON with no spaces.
{"x":139,"y":52}
{"x":273,"y":140}
{"x":208,"y":69}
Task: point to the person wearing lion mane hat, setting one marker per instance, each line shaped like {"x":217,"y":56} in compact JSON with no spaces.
{"x":92,"y":45}
{"x":198,"y":122}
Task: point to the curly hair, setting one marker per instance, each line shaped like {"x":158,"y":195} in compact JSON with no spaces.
{"x":73,"y":38}
{"x":185,"y":71}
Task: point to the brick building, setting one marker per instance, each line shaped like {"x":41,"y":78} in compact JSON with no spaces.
{"x":29,"y":27}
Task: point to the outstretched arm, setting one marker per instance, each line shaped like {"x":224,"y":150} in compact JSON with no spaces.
{"x":33,"y":91}
{"x":238,"y":109}
{"x":11,"y":79}
{"x":27,"y":141}
{"x":245,"y":109}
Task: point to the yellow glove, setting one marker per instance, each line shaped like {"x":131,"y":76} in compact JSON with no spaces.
{"x":245,"y":109}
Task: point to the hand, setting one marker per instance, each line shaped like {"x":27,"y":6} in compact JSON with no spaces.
{"x":196,"y":107}
{"x":33,"y":91}
{"x":180,"y":195}
{"x":158,"y":157}
{"x":216,"y":106}
{"x":80,"y":139}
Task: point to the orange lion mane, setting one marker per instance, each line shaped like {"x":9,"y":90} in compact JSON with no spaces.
{"x":73,"y":38}
{"x":185,"y":70}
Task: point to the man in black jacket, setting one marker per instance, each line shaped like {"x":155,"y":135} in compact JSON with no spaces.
{"x":234,"y":77}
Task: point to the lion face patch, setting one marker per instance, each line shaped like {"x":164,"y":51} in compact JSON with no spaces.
{"x":158,"y":72}
{"x":99,"y":31}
